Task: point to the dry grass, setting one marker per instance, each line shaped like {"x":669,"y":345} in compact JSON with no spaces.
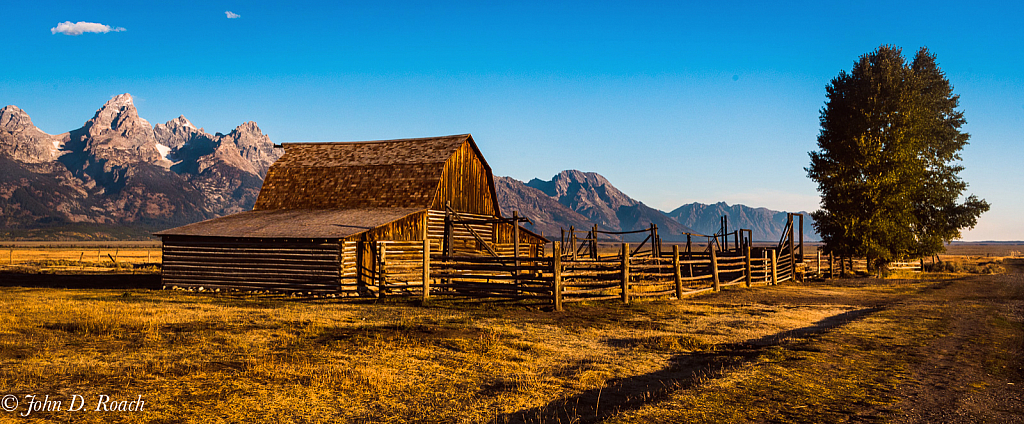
{"x":99,"y":258}
{"x":817,"y":352}
{"x":264,"y":358}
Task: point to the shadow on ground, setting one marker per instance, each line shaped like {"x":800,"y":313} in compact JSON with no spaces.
{"x":81,"y":281}
{"x":684,"y":372}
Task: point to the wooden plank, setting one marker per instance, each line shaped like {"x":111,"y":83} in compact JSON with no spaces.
{"x":524,"y":277}
{"x":625,"y":273}
{"x":592,"y":298}
{"x":714,"y":270}
{"x":775,"y":273}
{"x":557,"y":277}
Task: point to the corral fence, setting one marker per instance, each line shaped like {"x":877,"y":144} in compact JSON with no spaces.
{"x":579,"y":272}
{"x":412,"y":269}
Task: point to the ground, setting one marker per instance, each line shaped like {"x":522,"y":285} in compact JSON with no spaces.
{"x":864,"y":350}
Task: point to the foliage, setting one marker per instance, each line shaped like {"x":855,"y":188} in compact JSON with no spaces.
{"x":888,"y":159}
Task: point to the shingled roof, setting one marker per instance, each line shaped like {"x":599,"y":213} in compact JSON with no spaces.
{"x":372,"y":174}
{"x":293,"y":223}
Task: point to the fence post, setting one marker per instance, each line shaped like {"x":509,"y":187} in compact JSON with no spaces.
{"x":625,"y":273}
{"x":714,"y":271}
{"x":515,"y":249}
{"x":792,"y":250}
{"x":817,"y":267}
{"x":831,"y":266}
{"x":748,"y":269}
{"x":676,"y":272}
{"x":10,"y":257}
{"x":382,"y":248}
{"x":775,"y":265}
{"x":557,"y":274}
{"x":426,"y":270}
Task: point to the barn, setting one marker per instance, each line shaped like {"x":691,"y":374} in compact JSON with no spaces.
{"x":356,"y":218}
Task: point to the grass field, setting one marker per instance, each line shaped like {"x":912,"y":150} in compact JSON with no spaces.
{"x":826,"y":351}
{"x":81,"y":257}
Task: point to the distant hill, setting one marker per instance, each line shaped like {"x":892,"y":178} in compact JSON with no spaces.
{"x":119,"y":177}
{"x":764,"y":224}
{"x":583,"y":199}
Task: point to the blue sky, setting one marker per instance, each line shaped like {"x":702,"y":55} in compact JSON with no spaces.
{"x":674,"y":102}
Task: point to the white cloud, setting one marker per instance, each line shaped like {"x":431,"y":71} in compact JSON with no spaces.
{"x":232,"y":15}
{"x":79,"y":28}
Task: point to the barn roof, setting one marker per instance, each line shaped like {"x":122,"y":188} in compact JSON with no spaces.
{"x":389,"y":173}
{"x":293,"y":223}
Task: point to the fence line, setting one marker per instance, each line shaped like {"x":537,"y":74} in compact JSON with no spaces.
{"x":415,"y":269}
{"x":79,"y":259}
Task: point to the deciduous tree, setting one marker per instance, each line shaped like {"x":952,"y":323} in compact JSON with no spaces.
{"x":888,"y":160}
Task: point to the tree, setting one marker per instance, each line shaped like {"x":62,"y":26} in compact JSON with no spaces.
{"x":888,"y":159}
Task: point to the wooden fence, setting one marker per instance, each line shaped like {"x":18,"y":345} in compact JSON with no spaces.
{"x":85,"y":258}
{"x":419,"y":269}
{"x":822,"y":266}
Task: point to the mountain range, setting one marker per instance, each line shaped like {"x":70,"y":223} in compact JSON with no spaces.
{"x":119,"y":177}
{"x":583,"y":199}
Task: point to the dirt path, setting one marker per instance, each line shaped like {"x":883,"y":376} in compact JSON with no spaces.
{"x":949,"y":351}
{"x":971,"y":375}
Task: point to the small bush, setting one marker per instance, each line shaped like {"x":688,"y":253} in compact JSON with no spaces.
{"x":962,"y":266}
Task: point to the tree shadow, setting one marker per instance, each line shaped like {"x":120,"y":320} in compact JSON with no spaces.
{"x":685,"y":371}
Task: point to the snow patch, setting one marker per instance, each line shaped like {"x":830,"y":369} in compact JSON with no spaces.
{"x":165,"y":153}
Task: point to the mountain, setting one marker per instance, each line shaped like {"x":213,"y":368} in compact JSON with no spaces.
{"x":549,"y":217}
{"x":582,"y":199}
{"x":764,"y":224}
{"x":119,"y":175}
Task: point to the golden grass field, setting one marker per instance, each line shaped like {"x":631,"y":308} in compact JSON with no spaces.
{"x":822,"y":351}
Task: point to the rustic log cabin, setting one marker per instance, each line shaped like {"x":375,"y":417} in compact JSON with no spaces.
{"x":356,"y":218}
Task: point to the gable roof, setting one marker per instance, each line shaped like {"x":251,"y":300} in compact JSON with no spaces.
{"x":400,"y":173}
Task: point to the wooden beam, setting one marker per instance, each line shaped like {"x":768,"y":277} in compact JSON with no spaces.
{"x":676,"y":272}
{"x":426,"y":270}
{"x":714,"y":271}
{"x":557,"y":273}
{"x":775,"y":268}
{"x":749,"y":272}
{"x":625,"y":273}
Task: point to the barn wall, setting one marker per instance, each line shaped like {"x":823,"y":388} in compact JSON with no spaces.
{"x":249,"y":264}
{"x":409,"y":228}
{"x":466,"y":183}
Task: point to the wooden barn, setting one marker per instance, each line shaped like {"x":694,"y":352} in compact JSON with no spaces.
{"x":352,"y":218}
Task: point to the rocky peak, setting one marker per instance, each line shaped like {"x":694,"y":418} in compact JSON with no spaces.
{"x":22,"y":141}
{"x":181,"y":121}
{"x":591,"y":195}
{"x":177,"y":132}
{"x":118,"y":115}
{"x":13,"y":119}
{"x":115,"y":136}
{"x":253,"y":146}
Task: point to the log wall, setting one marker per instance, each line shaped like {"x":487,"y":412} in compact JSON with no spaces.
{"x":287,"y":265}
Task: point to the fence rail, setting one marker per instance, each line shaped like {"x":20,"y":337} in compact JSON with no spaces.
{"x":415,"y":269}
